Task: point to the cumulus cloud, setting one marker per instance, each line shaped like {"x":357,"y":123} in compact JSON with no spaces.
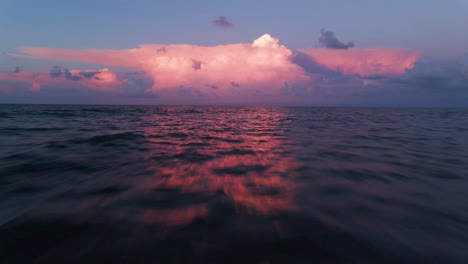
{"x":263,"y":64}
{"x":329,"y":40}
{"x":263,"y":71}
{"x":263,"y":61}
{"x":222,"y":22}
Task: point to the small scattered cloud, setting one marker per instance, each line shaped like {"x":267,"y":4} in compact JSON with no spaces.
{"x":89,"y":74}
{"x":17,"y":69}
{"x":71,"y":76}
{"x":329,"y":40}
{"x":222,"y":22}
{"x":55,"y":72}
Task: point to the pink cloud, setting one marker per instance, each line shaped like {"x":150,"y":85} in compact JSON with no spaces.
{"x":124,"y":58}
{"x":384,"y":61}
{"x":242,"y":72}
{"x":103,"y":79}
{"x":35,"y":86}
{"x":263,"y":64}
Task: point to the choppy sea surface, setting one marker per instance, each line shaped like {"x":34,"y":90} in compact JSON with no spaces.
{"x":174,"y":184}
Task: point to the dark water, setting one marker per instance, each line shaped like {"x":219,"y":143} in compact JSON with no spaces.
{"x":147,"y":184}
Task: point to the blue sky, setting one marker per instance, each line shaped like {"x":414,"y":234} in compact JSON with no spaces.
{"x":432,"y":26}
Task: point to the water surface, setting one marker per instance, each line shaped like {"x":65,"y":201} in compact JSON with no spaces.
{"x":98,"y":184}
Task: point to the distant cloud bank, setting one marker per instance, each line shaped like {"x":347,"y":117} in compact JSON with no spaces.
{"x":264,"y":71}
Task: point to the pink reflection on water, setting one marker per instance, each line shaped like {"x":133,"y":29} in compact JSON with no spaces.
{"x":252,"y":169}
{"x":175,"y":217}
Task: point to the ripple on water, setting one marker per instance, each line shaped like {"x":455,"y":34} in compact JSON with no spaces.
{"x":241,"y":169}
{"x":236,"y":184}
{"x":110,"y":138}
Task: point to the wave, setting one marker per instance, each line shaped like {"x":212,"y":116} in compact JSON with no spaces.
{"x":109,"y":138}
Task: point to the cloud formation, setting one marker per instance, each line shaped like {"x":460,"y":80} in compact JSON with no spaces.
{"x":430,"y":76}
{"x":264,"y":64}
{"x":387,"y":61}
{"x":330,"y":41}
{"x":76,"y":75}
{"x":103,"y":79}
{"x":222,"y":22}
{"x":260,"y":72}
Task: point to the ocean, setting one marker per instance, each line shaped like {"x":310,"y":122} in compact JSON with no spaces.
{"x":202,"y":184}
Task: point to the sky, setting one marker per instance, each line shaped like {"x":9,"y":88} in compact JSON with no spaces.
{"x":349,"y":53}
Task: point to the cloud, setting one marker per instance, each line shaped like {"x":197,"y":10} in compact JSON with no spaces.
{"x":261,"y":72}
{"x":196,"y":65}
{"x":263,"y":64}
{"x":136,"y":85}
{"x":428,"y":75}
{"x":386,"y":61}
{"x":310,"y":65}
{"x":119,"y":58}
{"x":222,"y":22}
{"x":329,"y":40}
{"x":69,"y":75}
{"x":17,"y":69}
{"x":55,"y":72}
{"x":35,"y":86}
{"x":74,"y":75}
{"x":373,"y":77}
{"x":89,"y":74}
{"x":102,"y":79}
